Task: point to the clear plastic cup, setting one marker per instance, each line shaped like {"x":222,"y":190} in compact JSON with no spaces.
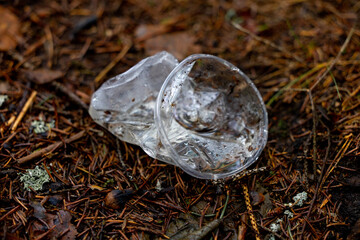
{"x":205,"y":116}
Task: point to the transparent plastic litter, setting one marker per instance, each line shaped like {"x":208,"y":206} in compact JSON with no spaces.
{"x":202,"y":114}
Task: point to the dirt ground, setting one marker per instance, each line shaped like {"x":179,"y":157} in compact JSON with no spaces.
{"x":304,"y":57}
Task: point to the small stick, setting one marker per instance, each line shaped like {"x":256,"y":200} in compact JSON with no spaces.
{"x":267,"y":42}
{"x":70,"y":94}
{"x":50,"y":148}
{"x":24,"y":110}
{"x":8,"y":139}
{"x":112,"y":63}
{"x":319,"y":183}
{"x":313,"y":131}
{"x":205,"y":230}
{"x":10,"y":121}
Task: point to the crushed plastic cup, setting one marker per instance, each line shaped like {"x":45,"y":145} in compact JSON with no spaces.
{"x":203,"y":114}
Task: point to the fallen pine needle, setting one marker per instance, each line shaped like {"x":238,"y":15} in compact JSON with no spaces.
{"x":342,"y":50}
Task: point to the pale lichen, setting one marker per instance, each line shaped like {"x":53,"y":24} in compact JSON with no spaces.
{"x":275,"y":226}
{"x":288,"y":213}
{"x":41,"y":126}
{"x":300,"y":198}
{"x":158,"y":186}
{"x":3,"y":99}
{"x":34,"y":178}
{"x":271,"y":237}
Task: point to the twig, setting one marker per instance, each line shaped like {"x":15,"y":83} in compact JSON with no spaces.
{"x":205,"y":230}
{"x":70,"y":94}
{"x":267,"y":42}
{"x":112,"y":63}
{"x":306,"y":166}
{"x":24,"y":110}
{"x":50,"y":148}
{"x":314,"y":118}
{"x":342,"y":49}
{"x":318,"y":185}
{"x":8,"y":139}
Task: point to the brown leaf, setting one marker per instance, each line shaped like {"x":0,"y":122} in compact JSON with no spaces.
{"x":179,"y":44}
{"x":36,"y":228}
{"x":257,"y":197}
{"x":63,"y":224}
{"x":146,"y":31}
{"x":9,"y":29}
{"x":64,"y":229}
{"x":42,"y":75}
{"x":39,"y":210}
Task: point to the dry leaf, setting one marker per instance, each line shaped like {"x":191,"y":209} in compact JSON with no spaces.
{"x":62,"y":223}
{"x":146,"y":31}
{"x":39,"y":210}
{"x":179,"y":44}
{"x":9,"y":29}
{"x":41,"y":76}
{"x":257,"y":197}
{"x":63,"y":229}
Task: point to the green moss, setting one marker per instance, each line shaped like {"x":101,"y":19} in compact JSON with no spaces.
{"x":34,"y":178}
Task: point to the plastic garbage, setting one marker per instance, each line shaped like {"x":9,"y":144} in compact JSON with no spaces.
{"x":202,"y":114}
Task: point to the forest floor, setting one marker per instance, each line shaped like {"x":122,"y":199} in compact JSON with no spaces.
{"x":304,"y":57}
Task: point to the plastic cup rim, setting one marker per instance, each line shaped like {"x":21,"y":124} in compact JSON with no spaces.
{"x":163,"y":135}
